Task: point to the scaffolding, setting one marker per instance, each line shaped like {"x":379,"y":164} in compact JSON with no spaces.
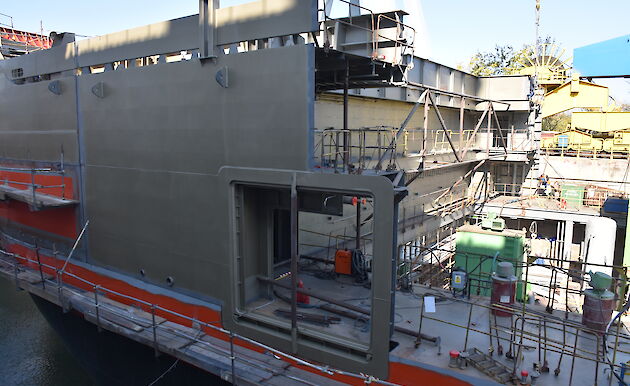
{"x":355,"y":150}
{"x":429,"y":275}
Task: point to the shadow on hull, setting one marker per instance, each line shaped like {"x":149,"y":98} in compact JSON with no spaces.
{"x":111,"y":359}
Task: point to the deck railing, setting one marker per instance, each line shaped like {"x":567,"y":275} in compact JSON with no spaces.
{"x":19,"y":262}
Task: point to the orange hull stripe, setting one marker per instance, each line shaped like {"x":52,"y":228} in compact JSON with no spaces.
{"x":59,"y":221}
{"x":400,"y":373}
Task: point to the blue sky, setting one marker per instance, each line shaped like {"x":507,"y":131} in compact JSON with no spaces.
{"x":453,"y":30}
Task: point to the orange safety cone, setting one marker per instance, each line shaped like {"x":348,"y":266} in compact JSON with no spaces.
{"x":302,"y":298}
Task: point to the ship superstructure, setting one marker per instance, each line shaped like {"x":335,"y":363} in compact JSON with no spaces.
{"x":271,"y":194}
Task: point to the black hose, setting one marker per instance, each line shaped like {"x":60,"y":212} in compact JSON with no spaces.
{"x":359,"y":267}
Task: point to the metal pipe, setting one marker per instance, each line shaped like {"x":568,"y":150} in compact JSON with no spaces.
{"x":418,"y":340}
{"x":358,"y":225}
{"x":96,"y":307}
{"x":573,"y":357}
{"x":496,"y":330}
{"x":564,"y":342}
{"x":74,"y":247}
{"x":488,"y":132}
{"x":346,"y":85}
{"x":616,"y":345}
{"x":33,"y":189}
{"x":461,"y":126}
{"x":545,"y":365}
{"x":294,"y":261}
{"x":39,"y":264}
{"x":597,"y":361}
{"x":539,"y":343}
{"x":232,"y":358}
{"x":344,"y":313}
{"x":468,"y":327}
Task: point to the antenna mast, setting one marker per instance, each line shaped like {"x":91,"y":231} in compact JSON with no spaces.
{"x":537,"y":42}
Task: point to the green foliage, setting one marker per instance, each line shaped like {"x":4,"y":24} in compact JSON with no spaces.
{"x":558,"y":122}
{"x":504,"y":60}
{"x":624,"y":107}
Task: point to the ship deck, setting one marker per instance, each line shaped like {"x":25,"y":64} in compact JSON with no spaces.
{"x":465,"y":325}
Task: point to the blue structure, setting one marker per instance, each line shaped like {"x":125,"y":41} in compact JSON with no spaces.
{"x":607,"y":59}
{"x":616,"y":205}
{"x":563,"y":140}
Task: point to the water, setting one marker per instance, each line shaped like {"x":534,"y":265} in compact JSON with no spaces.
{"x":31,"y":352}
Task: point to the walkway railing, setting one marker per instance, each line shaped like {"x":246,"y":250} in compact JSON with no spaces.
{"x":581,"y":196}
{"x":33,"y":186}
{"x":584,"y":153}
{"x":529,"y":328}
{"x":153,"y":309}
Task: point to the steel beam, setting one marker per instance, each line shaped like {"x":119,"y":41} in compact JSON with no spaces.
{"x":403,"y":126}
{"x":448,"y":137}
{"x":496,"y":120}
{"x":436,"y":90}
{"x":462,"y":178}
{"x":207,"y":28}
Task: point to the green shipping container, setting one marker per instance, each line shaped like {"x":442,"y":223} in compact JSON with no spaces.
{"x":475,"y":251}
{"x":573,"y":194}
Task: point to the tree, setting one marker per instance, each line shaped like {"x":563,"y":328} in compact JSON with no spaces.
{"x":559,"y":122}
{"x":504,"y":60}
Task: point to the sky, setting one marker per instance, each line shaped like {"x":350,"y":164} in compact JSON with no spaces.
{"x":449,"y":31}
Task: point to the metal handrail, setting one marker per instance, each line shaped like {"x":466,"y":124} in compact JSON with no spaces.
{"x":330,"y":143}
{"x":9,"y":17}
{"x":516,"y":190}
{"x":34,"y":171}
{"x":585,"y":153}
{"x":375,"y":27}
{"x":34,"y":186}
{"x":153,"y":307}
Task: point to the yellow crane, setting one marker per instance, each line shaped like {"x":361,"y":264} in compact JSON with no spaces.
{"x":597,"y":125}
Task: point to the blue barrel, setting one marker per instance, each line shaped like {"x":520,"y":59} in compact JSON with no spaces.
{"x":563,"y":140}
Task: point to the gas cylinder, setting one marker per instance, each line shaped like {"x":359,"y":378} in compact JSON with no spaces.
{"x":599,"y":303}
{"x":300,"y":297}
{"x":503,"y":288}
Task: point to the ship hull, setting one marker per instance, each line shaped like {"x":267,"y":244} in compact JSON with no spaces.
{"x":112,"y":359}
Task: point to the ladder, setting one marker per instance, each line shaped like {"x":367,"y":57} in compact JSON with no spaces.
{"x":492,"y":368}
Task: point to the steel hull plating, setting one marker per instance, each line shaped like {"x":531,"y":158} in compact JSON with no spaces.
{"x":112,"y":359}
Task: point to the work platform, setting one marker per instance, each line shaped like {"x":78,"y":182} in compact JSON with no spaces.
{"x":34,"y":199}
{"x":557,"y":340}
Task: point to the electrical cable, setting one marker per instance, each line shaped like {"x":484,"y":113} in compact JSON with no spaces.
{"x":171,"y":367}
{"x":165,"y":372}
